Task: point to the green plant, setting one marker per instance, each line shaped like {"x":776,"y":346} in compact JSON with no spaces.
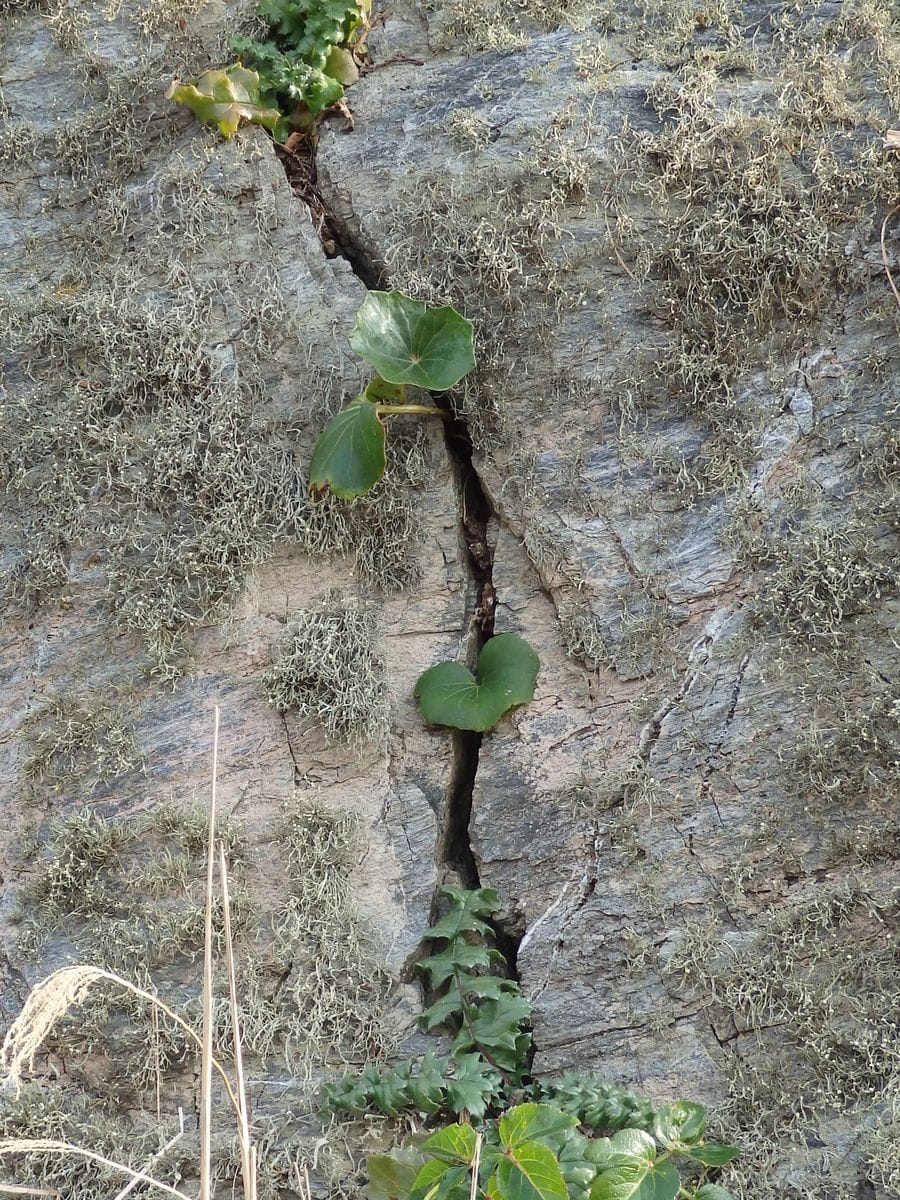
{"x":225,"y":98}
{"x":298,"y":70}
{"x":449,"y":694}
{"x":512,"y":1144}
{"x":409,"y":344}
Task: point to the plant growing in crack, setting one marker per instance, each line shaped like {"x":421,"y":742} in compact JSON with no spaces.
{"x":449,"y":694}
{"x":286,"y":79}
{"x":577,"y":1138}
{"x":409,"y":345}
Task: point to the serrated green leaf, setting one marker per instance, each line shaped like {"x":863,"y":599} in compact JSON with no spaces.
{"x":533,"y":1122}
{"x":349,"y":457}
{"x":390,"y":1176}
{"x":449,"y":694}
{"x":452,"y":1144}
{"x":712,"y":1154}
{"x":440,"y":1012}
{"x":680,"y":1124}
{"x":225,"y":98}
{"x":467,"y":910}
{"x":639,"y":1179}
{"x":530,"y":1172}
{"x":426,"y":1089}
{"x":407,"y":342}
{"x":474,"y":1085}
{"x":459,"y":955}
{"x":712,"y":1191}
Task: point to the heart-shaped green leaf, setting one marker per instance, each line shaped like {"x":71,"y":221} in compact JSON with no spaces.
{"x":349,"y":455}
{"x":225,"y":98}
{"x":408,"y":343}
{"x":507,"y":671}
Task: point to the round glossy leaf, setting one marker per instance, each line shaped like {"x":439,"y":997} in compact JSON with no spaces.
{"x":449,"y":694}
{"x":349,"y":456}
{"x":408,"y":343}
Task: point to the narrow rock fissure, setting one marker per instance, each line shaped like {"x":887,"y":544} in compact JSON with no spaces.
{"x":455,"y":854}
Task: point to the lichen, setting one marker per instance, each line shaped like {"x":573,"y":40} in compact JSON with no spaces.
{"x":329,"y":668}
{"x":81,"y":742}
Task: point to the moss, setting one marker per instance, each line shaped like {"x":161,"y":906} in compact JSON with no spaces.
{"x":505,"y":24}
{"x":81,"y":742}
{"x":329,"y":668}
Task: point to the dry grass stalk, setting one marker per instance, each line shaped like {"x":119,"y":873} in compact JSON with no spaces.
{"x":206,"y":1058}
{"x":476,"y":1164}
{"x":9,"y":1189}
{"x":129,"y":1187}
{"x":248,"y":1150}
{"x":48,"y":1146}
{"x":52,"y":998}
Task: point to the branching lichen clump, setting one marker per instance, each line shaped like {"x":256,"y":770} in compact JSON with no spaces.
{"x":329,"y":668}
{"x":81,"y":741}
{"x":807,"y":993}
{"x":329,"y":1004}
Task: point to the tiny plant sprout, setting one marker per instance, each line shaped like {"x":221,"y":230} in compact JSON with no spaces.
{"x":449,"y":694}
{"x":409,"y":345}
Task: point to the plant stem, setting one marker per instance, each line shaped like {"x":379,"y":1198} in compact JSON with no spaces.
{"x":425,"y":410}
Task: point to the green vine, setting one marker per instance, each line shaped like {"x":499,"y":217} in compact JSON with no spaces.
{"x":518,"y":1138}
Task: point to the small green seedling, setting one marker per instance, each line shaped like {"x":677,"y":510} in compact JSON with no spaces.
{"x":225,"y":98}
{"x":449,"y":694}
{"x":408,"y":344}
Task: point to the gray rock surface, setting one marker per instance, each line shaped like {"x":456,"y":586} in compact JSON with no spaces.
{"x":664,"y":219}
{"x":685,"y":418}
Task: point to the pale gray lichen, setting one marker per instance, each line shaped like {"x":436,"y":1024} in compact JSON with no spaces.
{"x":330,"y":668}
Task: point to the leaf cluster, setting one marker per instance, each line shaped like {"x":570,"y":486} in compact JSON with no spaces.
{"x":408,"y":344}
{"x":284,"y":80}
{"x":504,"y":1149}
{"x":537,"y":1152}
{"x":305,"y":59}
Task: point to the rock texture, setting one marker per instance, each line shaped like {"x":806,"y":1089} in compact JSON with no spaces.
{"x":664,"y":219}
{"x":665,"y":223}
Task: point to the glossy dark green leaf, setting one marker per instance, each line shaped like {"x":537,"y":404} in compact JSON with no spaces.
{"x":408,"y":343}
{"x":532,"y":1122}
{"x":459,"y":956}
{"x":680,"y":1124}
{"x":475,"y":1084}
{"x":530,"y":1172}
{"x":713,"y":1154}
{"x":349,"y":457}
{"x":468,"y":910}
{"x":449,"y":694}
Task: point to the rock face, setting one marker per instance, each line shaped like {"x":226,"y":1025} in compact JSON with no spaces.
{"x":665,"y":223}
